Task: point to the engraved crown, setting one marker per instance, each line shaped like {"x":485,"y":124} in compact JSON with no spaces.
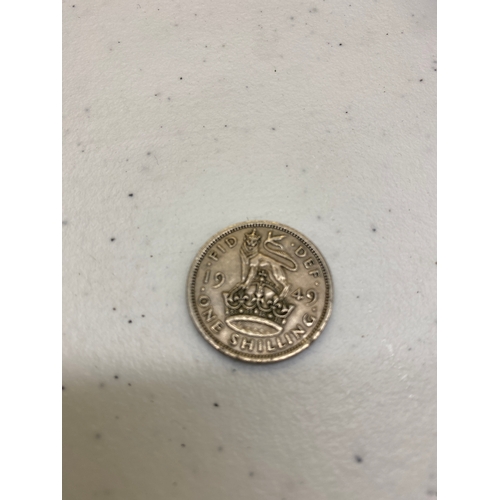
{"x":256,"y":310}
{"x":253,"y":237}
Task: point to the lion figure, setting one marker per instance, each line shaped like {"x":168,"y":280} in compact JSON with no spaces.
{"x":253,"y":258}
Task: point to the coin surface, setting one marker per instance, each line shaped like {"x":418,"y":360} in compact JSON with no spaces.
{"x":260,"y":292}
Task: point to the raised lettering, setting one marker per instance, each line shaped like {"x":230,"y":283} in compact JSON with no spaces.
{"x":288,"y":339}
{"x":312,"y":296}
{"x":231,"y":241}
{"x":269,"y":345}
{"x":246,"y":342}
{"x":260,"y":346}
{"x":221,"y":248}
{"x":308,"y":319}
{"x":208,"y":315}
{"x":234,"y":339}
{"x":298,"y":331}
{"x":219,"y":279}
{"x":204,"y":301}
{"x":298,"y":294}
{"x":301,"y":252}
{"x":207,"y":276}
{"x":280,"y":343}
{"x":217,"y":326}
{"x":213,"y":255}
{"x":308,"y":263}
{"x":315,"y":273}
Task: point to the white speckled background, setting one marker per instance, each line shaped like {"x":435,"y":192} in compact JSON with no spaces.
{"x":317,"y":114}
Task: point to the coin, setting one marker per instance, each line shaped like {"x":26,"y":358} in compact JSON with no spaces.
{"x":260,"y":292}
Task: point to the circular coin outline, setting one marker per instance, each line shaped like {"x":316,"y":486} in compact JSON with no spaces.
{"x":259,"y":358}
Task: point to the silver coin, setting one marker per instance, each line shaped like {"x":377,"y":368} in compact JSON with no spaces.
{"x":260,"y":292}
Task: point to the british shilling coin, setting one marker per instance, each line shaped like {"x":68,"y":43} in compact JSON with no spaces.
{"x":260,"y":292}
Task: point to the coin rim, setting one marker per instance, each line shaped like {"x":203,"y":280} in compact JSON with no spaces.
{"x":225,"y":349}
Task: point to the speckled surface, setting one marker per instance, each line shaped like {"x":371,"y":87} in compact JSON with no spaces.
{"x":181,"y":118}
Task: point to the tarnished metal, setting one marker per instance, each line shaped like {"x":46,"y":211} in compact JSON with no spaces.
{"x":260,"y":292}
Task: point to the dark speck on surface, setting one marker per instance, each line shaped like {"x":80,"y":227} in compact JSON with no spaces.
{"x":183,"y":445}
{"x":251,"y":474}
{"x":63,"y":387}
{"x":114,"y":308}
{"x":129,"y":384}
{"x":131,"y":194}
{"x":180,"y":78}
{"x":358,"y":459}
{"x":357,"y":296}
{"x":216,"y":405}
{"x":340,"y":45}
{"x":130,"y":321}
{"x":220,"y":448}
{"x":149,"y":153}
{"x":143,"y":316}
{"x":64,"y":222}
{"x":101,"y":384}
{"x":98,"y":436}
{"x":116,"y":376}
{"x":421,"y":79}
{"x":112,"y":239}
{"x":374,"y":229}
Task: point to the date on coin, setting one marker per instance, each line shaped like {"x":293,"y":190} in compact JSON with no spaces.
{"x":260,"y":292}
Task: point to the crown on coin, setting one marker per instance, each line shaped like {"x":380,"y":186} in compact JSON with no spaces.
{"x":253,"y":237}
{"x":257,"y":310}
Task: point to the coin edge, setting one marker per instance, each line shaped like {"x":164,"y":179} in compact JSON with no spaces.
{"x":199,"y":255}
